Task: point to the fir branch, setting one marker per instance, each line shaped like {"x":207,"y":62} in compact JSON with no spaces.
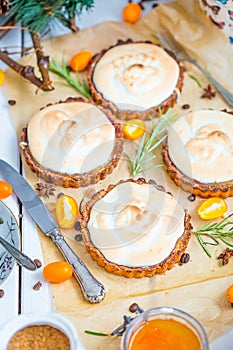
{"x":149,"y":142}
{"x":215,"y":232}
{"x":37,"y":15}
{"x":63,"y":71}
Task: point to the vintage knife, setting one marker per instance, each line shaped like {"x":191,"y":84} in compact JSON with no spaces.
{"x":92,"y":289}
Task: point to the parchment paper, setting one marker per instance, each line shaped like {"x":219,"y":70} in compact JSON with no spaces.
{"x":197,"y":287}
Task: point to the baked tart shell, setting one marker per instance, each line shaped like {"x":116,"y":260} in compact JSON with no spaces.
{"x":147,"y":114}
{"x":75,"y":180}
{"x":133,"y":272}
{"x":203,"y":190}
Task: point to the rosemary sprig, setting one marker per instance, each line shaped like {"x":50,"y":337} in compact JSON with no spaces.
{"x":215,"y":232}
{"x":63,"y":71}
{"x":148,"y":143}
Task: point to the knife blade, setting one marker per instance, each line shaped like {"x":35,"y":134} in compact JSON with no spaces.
{"x":92,"y":289}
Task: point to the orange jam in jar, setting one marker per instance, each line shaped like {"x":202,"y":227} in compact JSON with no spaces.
{"x":164,"y":329}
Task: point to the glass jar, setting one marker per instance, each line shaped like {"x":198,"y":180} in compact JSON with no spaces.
{"x":158,"y":327}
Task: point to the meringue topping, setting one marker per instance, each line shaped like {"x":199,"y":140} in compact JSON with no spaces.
{"x":136,"y":224}
{"x":71,"y":138}
{"x":138,"y":74}
{"x":201,"y":145}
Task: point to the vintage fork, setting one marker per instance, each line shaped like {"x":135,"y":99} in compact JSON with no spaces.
{"x":170,"y":44}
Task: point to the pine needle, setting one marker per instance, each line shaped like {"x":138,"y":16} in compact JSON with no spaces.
{"x":196,"y":80}
{"x":149,"y":142}
{"x":39,"y":15}
{"x":214,"y":232}
{"x":63,"y":71}
{"x":98,"y":334}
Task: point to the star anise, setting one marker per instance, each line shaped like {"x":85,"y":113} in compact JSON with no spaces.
{"x":45,"y":189}
{"x":225,"y":256}
{"x":208,"y":92}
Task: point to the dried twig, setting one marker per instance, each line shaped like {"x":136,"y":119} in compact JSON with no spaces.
{"x":27,"y":72}
{"x":42,"y":62}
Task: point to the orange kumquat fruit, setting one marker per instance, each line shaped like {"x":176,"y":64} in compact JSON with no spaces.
{"x":131,"y":12}
{"x":80,"y":61}
{"x":212,"y":208}
{"x":2,"y":76}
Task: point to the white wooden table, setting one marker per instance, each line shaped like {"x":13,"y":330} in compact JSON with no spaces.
{"x":19,"y":296}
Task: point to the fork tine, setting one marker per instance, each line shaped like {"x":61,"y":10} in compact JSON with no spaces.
{"x":171,"y":42}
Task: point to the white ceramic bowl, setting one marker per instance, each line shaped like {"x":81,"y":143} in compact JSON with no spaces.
{"x":53,"y":319}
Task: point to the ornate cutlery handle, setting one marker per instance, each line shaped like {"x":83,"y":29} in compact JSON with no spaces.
{"x":93,"y":290}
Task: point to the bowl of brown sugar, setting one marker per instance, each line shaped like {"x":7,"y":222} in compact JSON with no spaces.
{"x":40,"y":332}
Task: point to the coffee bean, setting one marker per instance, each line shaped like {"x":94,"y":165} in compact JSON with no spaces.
{"x":38,"y":263}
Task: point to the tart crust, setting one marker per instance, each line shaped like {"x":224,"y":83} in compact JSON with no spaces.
{"x":203,"y":190}
{"x":75,"y":180}
{"x":126,"y":271}
{"x":147,"y":114}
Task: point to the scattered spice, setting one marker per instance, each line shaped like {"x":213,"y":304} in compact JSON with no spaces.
{"x":208,"y":92}
{"x":185,"y":258}
{"x":11,"y":102}
{"x":191,"y":198}
{"x":37,"y":286}
{"x":225,"y":256}
{"x":78,"y":237}
{"x":60,"y":194}
{"x":38,"y":263}
{"x":186,"y":106}
{"x":135,"y":308}
{"x":45,"y":189}
{"x":2,"y":293}
{"x":77,"y":226}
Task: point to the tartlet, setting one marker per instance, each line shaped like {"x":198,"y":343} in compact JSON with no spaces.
{"x":135,"y":229}
{"x":135,"y":79}
{"x":198,"y":153}
{"x":72,"y":143}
